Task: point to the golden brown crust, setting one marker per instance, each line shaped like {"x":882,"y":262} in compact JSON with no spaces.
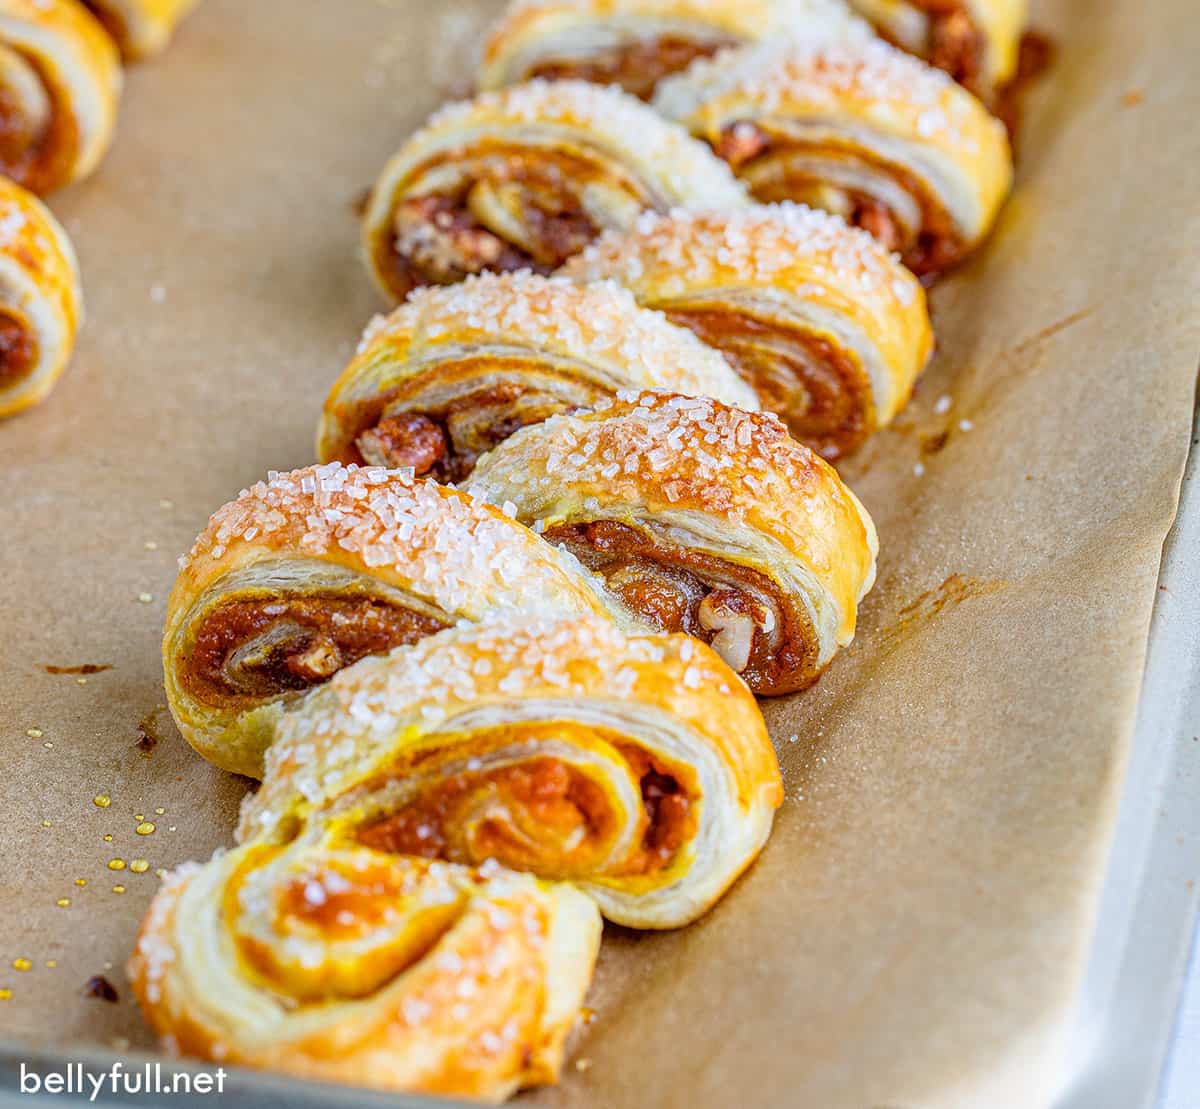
{"x":41,"y":303}
{"x":524,"y":177}
{"x":636,"y":766}
{"x":452,"y":372}
{"x":141,"y":28}
{"x":829,"y":329}
{"x":634,"y":43}
{"x":857,"y":127}
{"x":310,"y":571}
{"x":61,"y":87}
{"x":976,"y":42}
{"x":350,"y":965}
{"x":775,"y":551}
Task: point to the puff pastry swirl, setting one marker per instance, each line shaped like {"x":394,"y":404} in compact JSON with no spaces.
{"x":41,"y":304}
{"x":314,"y":569}
{"x":525,"y":177}
{"x":141,"y":28}
{"x":703,"y":519}
{"x":351,"y":965}
{"x":977,"y":42}
{"x":454,"y":371}
{"x":829,"y":329}
{"x":60,"y":83}
{"x":634,"y":43}
{"x":637,"y":767}
{"x":859,"y":128}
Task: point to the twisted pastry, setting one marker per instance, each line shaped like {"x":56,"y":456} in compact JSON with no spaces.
{"x":312,"y":570}
{"x":635,"y":43}
{"x":60,"y":81}
{"x":351,"y":965}
{"x":975,"y":41}
{"x":857,"y":127}
{"x":41,"y":303}
{"x":453,"y":372}
{"x":637,"y":767}
{"x":524,"y":178}
{"x":826,"y":326}
{"x":703,"y":519}
{"x":140,"y":28}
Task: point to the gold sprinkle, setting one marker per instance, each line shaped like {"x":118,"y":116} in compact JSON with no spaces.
{"x":48,"y":746}
{"x":102,"y":800}
{"x":22,"y":964}
{"x":118,"y":889}
{"x":139,"y":817}
{"x":160,"y":810}
{"x":145,"y":598}
{"x":81,"y":882}
{"x":146,"y":828}
{"x":34,"y":733}
{"x":45,"y":824}
{"x":116,"y":864}
{"x":81,"y":681}
{"x":63,"y":902}
{"x":139,"y":866}
{"x":5,"y":993}
{"x":51,"y":963}
{"x":108,"y":839}
{"x":150,"y":545}
{"x":161,"y":872}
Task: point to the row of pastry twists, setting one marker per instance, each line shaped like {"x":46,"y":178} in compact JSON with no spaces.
{"x":60,"y":89}
{"x":494,"y":658}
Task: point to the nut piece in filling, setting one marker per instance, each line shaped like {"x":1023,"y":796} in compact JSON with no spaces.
{"x":525,"y":177}
{"x":268,"y":645}
{"x":860,"y":128}
{"x":745,"y":616}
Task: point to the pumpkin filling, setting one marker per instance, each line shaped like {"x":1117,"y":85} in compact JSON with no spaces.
{"x":820,"y":390}
{"x":541,"y":815}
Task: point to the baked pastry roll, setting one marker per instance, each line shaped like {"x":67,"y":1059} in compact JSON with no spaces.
{"x":826,"y":326}
{"x":703,"y":519}
{"x":351,"y":965}
{"x":140,"y":27}
{"x":857,"y":127}
{"x":977,"y":42}
{"x":637,"y":767}
{"x":41,"y":303}
{"x":311,"y":570}
{"x":634,"y":43}
{"x":453,"y":372}
{"x":60,"y":82}
{"x":525,"y":177}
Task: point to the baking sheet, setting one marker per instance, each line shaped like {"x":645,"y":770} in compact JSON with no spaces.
{"x":916,"y":932}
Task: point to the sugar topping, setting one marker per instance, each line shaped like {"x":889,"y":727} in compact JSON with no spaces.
{"x":345,"y":728}
{"x":466,"y":554}
{"x":783,"y":247}
{"x":662,"y":452}
{"x":679,"y":168}
{"x":598,"y":324}
{"x":818,"y":73}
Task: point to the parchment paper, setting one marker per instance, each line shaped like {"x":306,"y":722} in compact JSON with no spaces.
{"x":914,"y":932}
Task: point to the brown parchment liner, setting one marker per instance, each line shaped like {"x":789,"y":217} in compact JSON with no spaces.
{"x":914,"y":932}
